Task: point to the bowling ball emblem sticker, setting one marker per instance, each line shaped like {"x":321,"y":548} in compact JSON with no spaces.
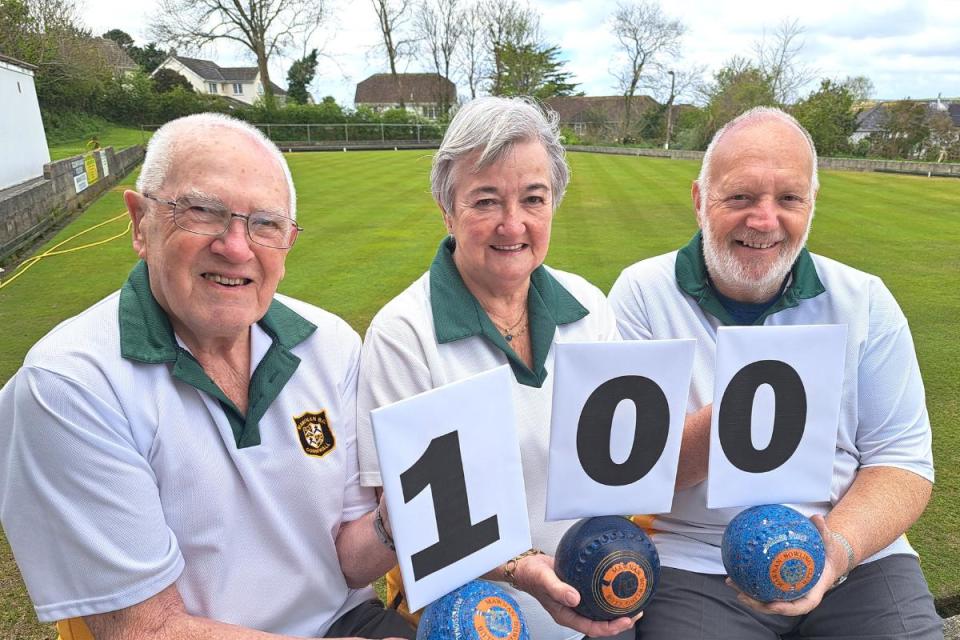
{"x":773,"y":552}
{"x":622,"y":582}
{"x":612,"y":563}
{"x":496,"y":619}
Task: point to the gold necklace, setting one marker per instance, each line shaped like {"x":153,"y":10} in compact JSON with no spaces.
{"x":509,"y":333}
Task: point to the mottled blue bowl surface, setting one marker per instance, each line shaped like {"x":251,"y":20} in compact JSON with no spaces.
{"x":612,"y":563}
{"x":773,"y":552}
{"x":479,"y":610}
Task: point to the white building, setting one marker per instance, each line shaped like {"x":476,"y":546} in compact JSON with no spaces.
{"x":206,"y":76}
{"x":21,"y":128}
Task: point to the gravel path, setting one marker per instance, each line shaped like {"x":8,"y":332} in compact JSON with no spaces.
{"x":951,"y":628}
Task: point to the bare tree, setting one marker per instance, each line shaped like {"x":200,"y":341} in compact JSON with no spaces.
{"x":777,"y":57}
{"x":392,"y":16}
{"x":472,"y":57}
{"x":439,"y":27}
{"x":669,"y":84}
{"x":646,"y":37}
{"x":265,"y":27}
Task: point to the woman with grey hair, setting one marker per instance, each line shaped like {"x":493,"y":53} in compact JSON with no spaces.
{"x":488,"y":300}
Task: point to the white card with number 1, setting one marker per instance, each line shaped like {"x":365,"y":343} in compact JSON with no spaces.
{"x":453,"y":481}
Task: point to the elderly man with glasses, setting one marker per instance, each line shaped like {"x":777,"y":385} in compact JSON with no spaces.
{"x":179,"y":460}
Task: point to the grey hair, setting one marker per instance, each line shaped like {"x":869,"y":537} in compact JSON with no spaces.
{"x":166,"y":142}
{"x":492,"y":126}
{"x":754,"y":115}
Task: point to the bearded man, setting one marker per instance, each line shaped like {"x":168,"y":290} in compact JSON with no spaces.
{"x":754,"y":200}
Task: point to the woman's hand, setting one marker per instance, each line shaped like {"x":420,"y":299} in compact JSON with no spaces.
{"x":535,"y":575}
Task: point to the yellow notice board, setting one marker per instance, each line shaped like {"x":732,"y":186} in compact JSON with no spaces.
{"x":90,"y":165}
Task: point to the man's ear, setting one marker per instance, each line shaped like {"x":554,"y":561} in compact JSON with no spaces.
{"x":696,"y":196}
{"x":137,"y":209}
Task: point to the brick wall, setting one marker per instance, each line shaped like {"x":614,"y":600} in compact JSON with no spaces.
{"x":28,"y":210}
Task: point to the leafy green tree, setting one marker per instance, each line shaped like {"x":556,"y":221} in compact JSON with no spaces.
{"x":147,"y":58}
{"x":121,"y":37}
{"x":533,"y":70}
{"x":944,"y":140}
{"x":300,"y":76}
{"x":829,"y":115}
{"x":166,"y":79}
{"x":46,"y":33}
{"x":738,"y":86}
{"x":904,"y":131}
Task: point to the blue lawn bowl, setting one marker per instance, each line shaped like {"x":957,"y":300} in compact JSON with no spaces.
{"x":479,"y":610}
{"x":612,"y":563}
{"x":773,"y":552}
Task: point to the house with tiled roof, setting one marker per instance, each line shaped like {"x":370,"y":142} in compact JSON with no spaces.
{"x":872,"y":119}
{"x":234,"y":83}
{"x":592,"y":114}
{"x":426,"y":94}
{"x":113,"y":56}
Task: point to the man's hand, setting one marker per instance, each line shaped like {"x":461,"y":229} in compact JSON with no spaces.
{"x":535,"y":575}
{"x":835,"y":565}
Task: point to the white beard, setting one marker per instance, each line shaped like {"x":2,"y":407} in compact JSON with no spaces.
{"x":725,"y":269}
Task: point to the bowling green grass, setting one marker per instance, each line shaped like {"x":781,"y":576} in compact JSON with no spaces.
{"x":372,"y":228}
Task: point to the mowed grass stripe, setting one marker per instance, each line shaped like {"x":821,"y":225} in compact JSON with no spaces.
{"x":372,"y":228}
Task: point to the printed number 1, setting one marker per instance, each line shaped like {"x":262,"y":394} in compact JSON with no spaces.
{"x":441,"y":468}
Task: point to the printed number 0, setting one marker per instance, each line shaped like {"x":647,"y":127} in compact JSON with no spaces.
{"x":441,"y":468}
{"x":736,"y":409}
{"x":596,"y":426}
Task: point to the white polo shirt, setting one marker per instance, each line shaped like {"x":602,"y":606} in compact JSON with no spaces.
{"x":883,"y":415}
{"x":436,"y":332}
{"x":120,"y":476}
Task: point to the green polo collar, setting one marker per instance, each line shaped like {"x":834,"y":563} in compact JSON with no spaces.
{"x":457,"y":314}
{"x":146,"y":335}
{"x":692,"y":278}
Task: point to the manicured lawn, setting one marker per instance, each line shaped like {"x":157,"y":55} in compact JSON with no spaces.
{"x":110,"y":136}
{"x":371,"y":228}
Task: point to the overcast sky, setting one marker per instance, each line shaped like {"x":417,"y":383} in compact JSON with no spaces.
{"x":906,"y":47}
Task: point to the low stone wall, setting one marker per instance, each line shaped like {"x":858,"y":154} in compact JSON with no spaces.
{"x":841,"y":164}
{"x":29,"y":209}
{"x":672,"y":154}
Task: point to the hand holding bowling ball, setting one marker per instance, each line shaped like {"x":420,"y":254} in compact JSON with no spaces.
{"x":612,"y":564}
{"x":773,"y":553}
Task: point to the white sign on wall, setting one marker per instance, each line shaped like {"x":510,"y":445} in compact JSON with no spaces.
{"x":453,"y":482}
{"x":776,"y":408}
{"x":616,"y":426}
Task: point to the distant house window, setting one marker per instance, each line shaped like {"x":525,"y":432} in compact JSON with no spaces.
{"x":259,"y":89}
{"x":237,"y":89}
{"x":212,"y":87}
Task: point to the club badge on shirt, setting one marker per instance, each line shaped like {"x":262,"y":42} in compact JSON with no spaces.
{"x":316,"y":437}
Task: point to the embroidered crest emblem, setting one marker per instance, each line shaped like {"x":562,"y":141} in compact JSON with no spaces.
{"x":316,"y":437}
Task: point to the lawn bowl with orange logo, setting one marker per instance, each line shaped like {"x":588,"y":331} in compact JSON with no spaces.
{"x":612,"y":563}
{"x":479,"y":610}
{"x":772,"y":552}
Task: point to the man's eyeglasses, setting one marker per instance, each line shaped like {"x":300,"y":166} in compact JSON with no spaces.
{"x":208,"y":217}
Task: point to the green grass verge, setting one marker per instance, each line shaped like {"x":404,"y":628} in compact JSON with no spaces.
{"x":372,"y":228}
{"x":109,"y":135}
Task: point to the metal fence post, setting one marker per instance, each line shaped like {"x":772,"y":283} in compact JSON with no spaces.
{"x":346,"y":133}
{"x":382,"y":136}
{"x":418,"y":132}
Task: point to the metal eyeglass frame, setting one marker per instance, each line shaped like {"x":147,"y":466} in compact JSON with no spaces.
{"x":233,"y":214}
